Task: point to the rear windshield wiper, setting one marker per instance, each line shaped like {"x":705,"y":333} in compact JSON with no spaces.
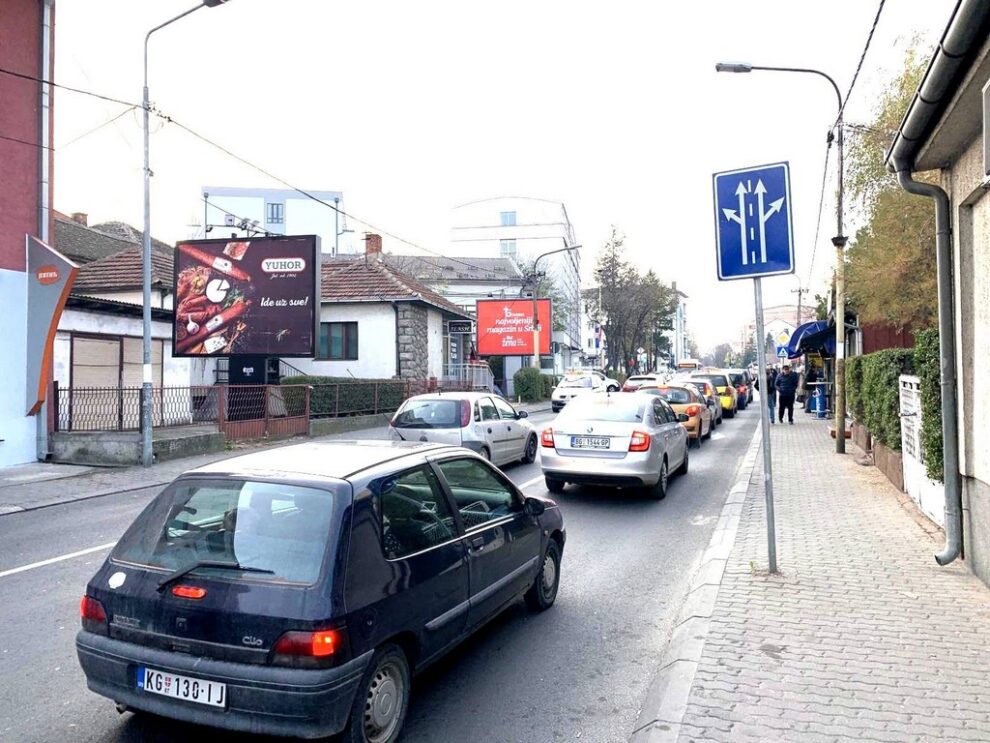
{"x":186,"y":569}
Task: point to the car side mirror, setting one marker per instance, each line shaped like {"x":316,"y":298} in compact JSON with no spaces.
{"x":683,"y":417}
{"x":534,"y":506}
{"x":522,"y":414}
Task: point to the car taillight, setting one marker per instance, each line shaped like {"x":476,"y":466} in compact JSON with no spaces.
{"x":465,"y":412}
{"x":692,"y":410}
{"x":94,"y":619}
{"x":546,"y":438}
{"x":189,"y":592}
{"x":312,"y":649}
{"x":639,"y":442}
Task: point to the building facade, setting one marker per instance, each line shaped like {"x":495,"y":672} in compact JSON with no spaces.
{"x":27,"y":38}
{"x":244,"y":212}
{"x":523,"y":228}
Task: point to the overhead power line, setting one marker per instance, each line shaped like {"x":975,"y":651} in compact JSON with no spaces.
{"x":25,"y":142}
{"x":95,"y":129}
{"x":81,"y":91}
{"x":818,"y":222}
{"x":862,"y":57}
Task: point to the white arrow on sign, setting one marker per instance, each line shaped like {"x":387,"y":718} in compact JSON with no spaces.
{"x":760,"y":192}
{"x":740,"y":218}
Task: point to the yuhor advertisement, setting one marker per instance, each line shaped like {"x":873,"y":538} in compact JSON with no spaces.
{"x":252,"y":296}
{"x":505,"y":326}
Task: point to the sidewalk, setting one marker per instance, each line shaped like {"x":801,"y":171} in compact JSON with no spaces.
{"x":39,"y":484}
{"x":862,"y":636}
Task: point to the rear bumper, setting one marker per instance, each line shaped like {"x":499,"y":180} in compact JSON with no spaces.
{"x":633,"y":470}
{"x":268,"y":700}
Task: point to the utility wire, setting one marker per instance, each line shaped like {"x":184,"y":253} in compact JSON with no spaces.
{"x":859,"y":66}
{"x":95,"y":129}
{"x":24,"y":141}
{"x":81,"y":91}
{"x":307,"y":194}
{"x":821,"y":202}
{"x":240,"y":220}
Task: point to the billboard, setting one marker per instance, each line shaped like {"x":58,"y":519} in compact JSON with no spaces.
{"x":505,"y":327}
{"x":256,"y":296}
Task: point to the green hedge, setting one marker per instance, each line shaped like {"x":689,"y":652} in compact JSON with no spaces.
{"x":548,"y":384}
{"x":926,"y":366}
{"x":854,"y":386}
{"x":341,"y":396}
{"x":529,"y":384}
{"x":874,"y":385}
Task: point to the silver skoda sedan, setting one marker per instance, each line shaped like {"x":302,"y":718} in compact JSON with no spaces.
{"x":624,"y":440}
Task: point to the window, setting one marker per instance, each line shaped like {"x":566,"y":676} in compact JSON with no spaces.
{"x":507,"y":248}
{"x":669,"y":416}
{"x":339,"y":340}
{"x":504,"y":409}
{"x":414,"y":512}
{"x":507,"y":219}
{"x":274,"y":213}
{"x":280,"y":531}
{"x":488,"y":410}
{"x":479,"y":494}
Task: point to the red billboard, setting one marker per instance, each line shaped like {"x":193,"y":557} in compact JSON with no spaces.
{"x":505,"y":327}
{"x":247,"y":296}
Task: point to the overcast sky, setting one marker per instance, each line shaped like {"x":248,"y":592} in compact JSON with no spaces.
{"x":412,"y":108}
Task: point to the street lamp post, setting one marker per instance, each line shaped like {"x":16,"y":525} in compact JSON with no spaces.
{"x":839,"y":241}
{"x":536,"y":318}
{"x":146,"y":368}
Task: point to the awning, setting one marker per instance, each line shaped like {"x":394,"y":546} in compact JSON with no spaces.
{"x":817,"y":335}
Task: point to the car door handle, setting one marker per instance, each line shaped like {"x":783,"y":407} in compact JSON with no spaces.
{"x":489,"y":430}
{"x":476,"y":543}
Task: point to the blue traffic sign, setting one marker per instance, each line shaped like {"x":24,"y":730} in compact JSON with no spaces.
{"x":753,"y":231}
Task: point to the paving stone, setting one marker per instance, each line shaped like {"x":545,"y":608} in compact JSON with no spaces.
{"x":862,"y":637}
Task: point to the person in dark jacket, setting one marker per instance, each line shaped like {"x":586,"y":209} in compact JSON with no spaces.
{"x":768,"y":391}
{"x":786,"y":385}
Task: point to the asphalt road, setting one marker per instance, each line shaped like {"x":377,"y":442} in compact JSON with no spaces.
{"x":579,"y":671}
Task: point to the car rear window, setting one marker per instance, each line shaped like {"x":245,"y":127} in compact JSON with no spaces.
{"x":576,"y":382}
{"x":640,"y":381}
{"x":716,"y":379}
{"x":674,"y":395}
{"x":614,"y":408}
{"x":737,"y":379}
{"x":285,"y":529}
{"x":429,"y":414}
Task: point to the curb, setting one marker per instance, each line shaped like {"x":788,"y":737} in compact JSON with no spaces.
{"x":667,"y":698}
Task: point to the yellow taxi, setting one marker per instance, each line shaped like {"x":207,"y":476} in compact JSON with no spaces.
{"x":727,"y":395}
{"x":686,"y":399}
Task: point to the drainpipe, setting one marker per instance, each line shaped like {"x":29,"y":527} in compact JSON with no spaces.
{"x":947,"y":366}
{"x":44,"y":187}
{"x":398,"y":364}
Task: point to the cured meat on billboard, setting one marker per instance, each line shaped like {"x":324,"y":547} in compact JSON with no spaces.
{"x":505,"y":327}
{"x":257,"y":296}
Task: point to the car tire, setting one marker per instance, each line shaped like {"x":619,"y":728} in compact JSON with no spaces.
{"x":612,"y":388}
{"x":683,"y":469}
{"x":382,"y":698}
{"x":531,"y":448}
{"x":485,"y":453}
{"x":711,"y":427}
{"x":697,"y":441}
{"x":554,"y":485}
{"x":543,"y":592}
{"x":659,"y":490}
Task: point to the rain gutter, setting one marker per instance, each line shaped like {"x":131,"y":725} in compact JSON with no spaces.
{"x":963,"y":36}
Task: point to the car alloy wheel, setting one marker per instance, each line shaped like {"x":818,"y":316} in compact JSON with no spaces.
{"x":543,"y":592}
{"x":659,"y":491}
{"x":531,"y":446}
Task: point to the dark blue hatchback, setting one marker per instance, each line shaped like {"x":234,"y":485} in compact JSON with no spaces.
{"x":294,"y":592}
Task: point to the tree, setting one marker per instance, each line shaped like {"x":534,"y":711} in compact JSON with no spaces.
{"x":634,"y":308}
{"x":890,"y":275}
{"x":546,"y":288}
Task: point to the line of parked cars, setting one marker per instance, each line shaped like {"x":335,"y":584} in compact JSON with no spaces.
{"x":296,"y":591}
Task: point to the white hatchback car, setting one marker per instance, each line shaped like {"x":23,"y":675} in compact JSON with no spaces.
{"x":624,"y":440}
{"x":479,"y":421}
{"x":575,"y":385}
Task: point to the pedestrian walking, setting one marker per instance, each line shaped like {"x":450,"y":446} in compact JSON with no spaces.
{"x":786,"y":385}
{"x":768,"y":391}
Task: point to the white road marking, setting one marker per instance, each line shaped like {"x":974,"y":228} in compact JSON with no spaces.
{"x":526,"y":484}
{"x":51,"y":560}
{"x":716,"y":435}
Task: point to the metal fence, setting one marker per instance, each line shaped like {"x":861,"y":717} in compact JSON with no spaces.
{"x":270,"y":409}
{"x":472,"y":376}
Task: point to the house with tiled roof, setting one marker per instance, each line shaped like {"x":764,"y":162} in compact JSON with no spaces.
{"x":119,"y":277}
{"x":83,"y":243}
{"x":378,"y":322}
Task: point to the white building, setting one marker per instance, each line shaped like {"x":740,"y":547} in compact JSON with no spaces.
{"x":523,"y":228}
{"x":678,"y":334}
{"x":243,"y":212}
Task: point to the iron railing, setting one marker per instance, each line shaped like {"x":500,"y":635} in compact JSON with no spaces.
{"x":472,"y":376}
{"x":119,"y":409}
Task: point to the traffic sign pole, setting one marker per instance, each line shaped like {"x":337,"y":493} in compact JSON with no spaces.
{"x":765,"y":428}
